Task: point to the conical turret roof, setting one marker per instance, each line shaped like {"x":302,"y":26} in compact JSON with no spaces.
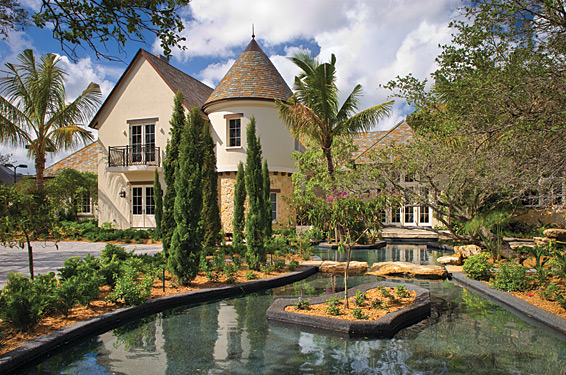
{"x":252,"y":76}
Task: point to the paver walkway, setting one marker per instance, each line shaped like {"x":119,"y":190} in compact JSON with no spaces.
{"x":47,"y":258}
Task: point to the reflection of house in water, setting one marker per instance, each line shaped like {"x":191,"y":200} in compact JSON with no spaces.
{"x":232,"y":342}
{"x":417,"y":254}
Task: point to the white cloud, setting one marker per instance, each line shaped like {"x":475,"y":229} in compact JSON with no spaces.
{"x":373,"y":41}
{"x":213,"y":73}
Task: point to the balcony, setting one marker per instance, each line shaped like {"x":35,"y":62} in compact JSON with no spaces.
{"x":134,"y":156}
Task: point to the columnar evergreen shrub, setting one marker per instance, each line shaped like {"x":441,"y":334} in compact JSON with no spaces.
{"x":210,"y":209}
{"x":186,"y":244}
{"x":239,"y":220}
{"x":267,"y":219}
{"x":158,"y":197}
{"x":255,"y":228}
{"x":170,"y":166}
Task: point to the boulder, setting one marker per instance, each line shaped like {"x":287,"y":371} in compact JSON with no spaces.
{"x":356,"y":268}
{"x":467,"y":251}
{"x":540,"y":241}
{"x":556,"y":234}
{"x":405,"y":268}
{"x":315,"y":263}
{"x":453,"y":260}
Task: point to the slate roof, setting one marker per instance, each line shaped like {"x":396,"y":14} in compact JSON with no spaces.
{"x":399,"y":134}
{"x":194,"y":92}
{"x":252,"y":76}
{"x":83,"y":160}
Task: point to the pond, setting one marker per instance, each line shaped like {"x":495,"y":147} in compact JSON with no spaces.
{"x":418,"y":254}
{"x":465,"y":334}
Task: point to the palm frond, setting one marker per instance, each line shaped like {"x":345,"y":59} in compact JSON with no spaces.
{"x":299,"y":119}
{"x":69,"y":137}
{"x":11,"y":120}
{"x":364,"y":120}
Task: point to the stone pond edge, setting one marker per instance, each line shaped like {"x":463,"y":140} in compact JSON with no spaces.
{"x":523,"y":309}
{"x":385,"y":327}
{"x":44,"y":345}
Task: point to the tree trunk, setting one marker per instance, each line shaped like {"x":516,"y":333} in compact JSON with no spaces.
{"x":39,"y":169}
{"x":346,"y":277}
{"x":30,"y":257}
{"x":329,"y":163}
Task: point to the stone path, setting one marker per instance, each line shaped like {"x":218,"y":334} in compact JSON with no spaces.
{"x":47,"y":258}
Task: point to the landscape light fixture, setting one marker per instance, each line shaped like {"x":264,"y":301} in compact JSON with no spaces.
{"x":122,"y":194}
{"x":10,"y":165}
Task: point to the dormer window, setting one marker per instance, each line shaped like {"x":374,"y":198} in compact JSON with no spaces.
{"x":234,"y":129}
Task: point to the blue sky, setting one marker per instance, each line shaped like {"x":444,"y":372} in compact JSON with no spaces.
{"x":373,"y":40}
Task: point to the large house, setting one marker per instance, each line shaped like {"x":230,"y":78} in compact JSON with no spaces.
{"x":133,"y":129}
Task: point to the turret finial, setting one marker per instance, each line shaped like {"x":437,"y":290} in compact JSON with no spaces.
{"x":253,"y":32}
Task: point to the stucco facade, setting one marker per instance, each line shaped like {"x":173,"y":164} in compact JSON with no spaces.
{"x":133,"y":129}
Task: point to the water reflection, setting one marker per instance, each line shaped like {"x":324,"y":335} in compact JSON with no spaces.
{"x":418,"y":254}
{"x":464,"y":334}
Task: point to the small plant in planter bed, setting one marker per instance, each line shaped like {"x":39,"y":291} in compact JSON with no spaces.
{"x":360,"y":298}
{"x":511,"y":277}
{"x":302,"y":303}
{"x":358,"y":314}
{"x":333,"y":306}
{"x":478,"y":267}
{"x":402,"y":291}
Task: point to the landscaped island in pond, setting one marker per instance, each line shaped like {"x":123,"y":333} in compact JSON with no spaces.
{"x":378,"y":311}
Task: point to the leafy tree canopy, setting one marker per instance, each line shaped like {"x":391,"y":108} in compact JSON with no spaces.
{"x":96,"y":24}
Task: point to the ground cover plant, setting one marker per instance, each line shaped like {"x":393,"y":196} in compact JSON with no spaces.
{"x":369,"y":305}
{"x":544,"y":285}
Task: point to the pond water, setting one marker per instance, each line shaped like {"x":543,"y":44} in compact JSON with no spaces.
{"x":465,"y":334}
{"x":418,"y":254}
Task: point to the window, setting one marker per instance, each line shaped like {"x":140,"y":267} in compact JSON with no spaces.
{"x":409,"y":215}
{"x":86,"y":203}
{"x":396,"y":214}
{"x":142,"y":142}
{"x":234,"y":133}
{"x":137,"y":201}
{"x":273,"y":198}
{"x":424,"y":215}
{"x":149,"y":201}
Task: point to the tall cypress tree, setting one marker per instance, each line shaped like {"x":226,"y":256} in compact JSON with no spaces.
{"x":238,"y":222}
{"x":158,"y":197}
{"x":255,"y":228}
{"x":170,"y":165}
{"x":267,"y":218}
{"x":210,"y":210}
{"x":186,"y":243}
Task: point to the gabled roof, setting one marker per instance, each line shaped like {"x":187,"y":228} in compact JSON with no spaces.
{"x":194,"y":91}
{"x":252,"y":76}
{"x":83,"y":160}
{"x":398,"y":135}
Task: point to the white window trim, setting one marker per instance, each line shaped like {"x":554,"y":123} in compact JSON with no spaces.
{"x":276,"y":220}
{"x":235,"y":116}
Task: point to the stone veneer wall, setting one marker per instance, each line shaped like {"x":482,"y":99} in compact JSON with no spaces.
{"x":83,"y":160}
{"x":281,"y":184}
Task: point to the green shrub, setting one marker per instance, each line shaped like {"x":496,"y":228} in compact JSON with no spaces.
{"x":358,"y":314}
{"x":250,"y":275}
{"x":132,"y":288}
{"x":292,"y":265}
{"x":267,"y":269}
{"x":378,"y":304}
{"x":76,"y":265}
{"x":112,"y":251}
{"x":402,"y":291}
{"x":333,"y":310}
{"x":66,"y":295}
{"x":45,"y":285}
{"x":359,"y":298}
{"x":478,"y":267}
{"x":279,"y":264}
{"x":511,"y":277}
{"x":302,"y":303}
{"x":20,"y":305}
{"x":550,"y":292}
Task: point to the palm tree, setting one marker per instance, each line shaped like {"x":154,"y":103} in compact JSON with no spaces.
{"x":34,"y":112}
{"x":314,"y":109}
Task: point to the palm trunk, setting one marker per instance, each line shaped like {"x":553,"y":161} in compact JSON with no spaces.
{"x":39,"y":169}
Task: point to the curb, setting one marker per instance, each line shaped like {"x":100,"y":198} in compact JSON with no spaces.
{"x":526,"y":311}
{"x":43,"y":345}
{"x":384,"y":327}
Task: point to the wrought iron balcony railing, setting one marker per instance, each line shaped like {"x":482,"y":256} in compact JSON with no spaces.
{"x":125,"y":156}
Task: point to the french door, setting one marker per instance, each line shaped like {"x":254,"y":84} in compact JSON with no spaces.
{"x":143,"y":207}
